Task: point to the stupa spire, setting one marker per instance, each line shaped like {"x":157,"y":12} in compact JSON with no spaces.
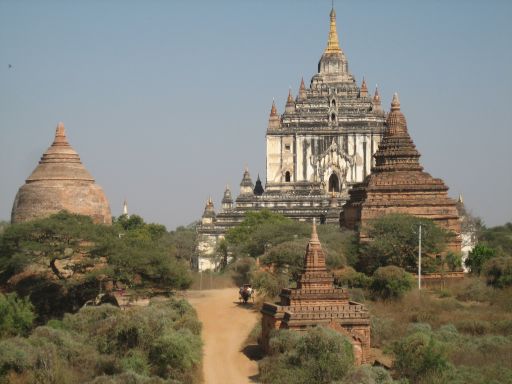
{"x":290,"y":97}
{"x":364,"y":89}
{"x":333,"y":44}
{"x":60,"y":135}
{"x":273,"y":109}
{"x":302,"y":90}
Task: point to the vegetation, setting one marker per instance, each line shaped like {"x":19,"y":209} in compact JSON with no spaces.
{"x":478,"y":256}
{"x":158,"y":344}
{"x":16,"y":315}
{"x":498,"y":272}
{"x":279,"y":243}
{"x":461,"y":334}
{"x":62,"y":261}
{"x":390,"y":282}
{"x":319,"y":355}
{"x":395,"y":242}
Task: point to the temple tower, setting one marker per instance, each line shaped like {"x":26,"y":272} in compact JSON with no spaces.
{"x":398,"y":184}
{"x":316,"y":301}
{"x":60,"y":182}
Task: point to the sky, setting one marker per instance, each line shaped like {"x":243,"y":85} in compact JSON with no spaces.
{"x":167,"y":101}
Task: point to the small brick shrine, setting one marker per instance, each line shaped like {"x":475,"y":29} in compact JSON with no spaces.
{"x":316,"y":301}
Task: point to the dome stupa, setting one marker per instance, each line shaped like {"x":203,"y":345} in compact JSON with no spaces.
{"x":60,"y":182}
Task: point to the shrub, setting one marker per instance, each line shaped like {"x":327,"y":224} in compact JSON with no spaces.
{"x":419,"y":355}
{"x":349,"y":277}
{"x":318,"y":355}
{"x":390,"y":282}
{"x":107,"y":341}
{"x":269,"y":284}
{"x":16,"y":315}
{"x":175,"y":353}
{"x":498,"y":272}
{"x":368,"y":375}
{"x":478,"y":256}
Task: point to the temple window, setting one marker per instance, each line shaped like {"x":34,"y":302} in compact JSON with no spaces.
{"x":333,"y":117}
{"x":287,"y":147}
{"x":333,"y":103}
{"x":287,"y":177}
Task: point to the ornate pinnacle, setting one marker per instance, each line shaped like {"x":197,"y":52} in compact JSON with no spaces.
{"x":273,"y":110}
{"x":333,"y":45}
{"x":290,"y":98}
{"x":376,"y":97}
{"x":395,"y":103}
{"x":60,"y":134}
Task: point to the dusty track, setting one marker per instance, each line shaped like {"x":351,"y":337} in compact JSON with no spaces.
{"x":226,"y":325}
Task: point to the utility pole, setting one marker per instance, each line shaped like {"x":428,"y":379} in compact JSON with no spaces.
{"x":419,"y":259}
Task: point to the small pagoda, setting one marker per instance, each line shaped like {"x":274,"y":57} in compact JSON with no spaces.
{"x":398,"y":184}
{"x":317,"y":302}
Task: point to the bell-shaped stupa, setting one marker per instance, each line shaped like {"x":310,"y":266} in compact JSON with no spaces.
{"x":60,"y":182}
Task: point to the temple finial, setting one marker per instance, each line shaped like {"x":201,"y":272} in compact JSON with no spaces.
{"x":376,"y":96}
{"x":273,"y":110}
{"x":60,"y":134}
{"x":333,"y":44}
{"x":364,"y":89}
{"x":395,"y":103}
{"x":290,"y":97}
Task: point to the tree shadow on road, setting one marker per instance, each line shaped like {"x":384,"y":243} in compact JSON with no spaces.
{"x":253,"y":352}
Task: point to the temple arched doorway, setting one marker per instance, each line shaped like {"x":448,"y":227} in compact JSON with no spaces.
{"x":287,"y":177}
{"x":334,"y":183}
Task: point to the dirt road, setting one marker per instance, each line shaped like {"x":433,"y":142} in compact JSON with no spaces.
{"x":226,"y":325}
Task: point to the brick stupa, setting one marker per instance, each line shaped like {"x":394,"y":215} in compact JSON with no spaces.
{"x":60,"y":182}
{"x":398,"y":184}
{"x":316,"y":301}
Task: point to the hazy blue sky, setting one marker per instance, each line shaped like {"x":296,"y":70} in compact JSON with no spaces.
{"x":167,"y":101}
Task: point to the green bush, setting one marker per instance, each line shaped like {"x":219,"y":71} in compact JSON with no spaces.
{"x":368,"y":375}
{"x":158,"y":341}
{"x":419,"y":355}
{"x":390,"y":282}
{"x":478,"y":256}
{"x":318,"y":355}
{"x":498,"y":272}
{"x":16,"y":315}
{"x":349,"y":277}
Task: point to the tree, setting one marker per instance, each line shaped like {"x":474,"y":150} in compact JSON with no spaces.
{"x":499,"y":238}
{"x":318,"y":355}
{"x":390,"y":282}
{"x":478,"y":256}
{"x":394,"y":241}
{"x":16,"y":315}
{"x":419,"y":355}
{"x":498,"y":272}
{"x":60,"y":260}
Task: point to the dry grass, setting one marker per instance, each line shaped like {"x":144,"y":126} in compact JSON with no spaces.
{"x":473,"y":321}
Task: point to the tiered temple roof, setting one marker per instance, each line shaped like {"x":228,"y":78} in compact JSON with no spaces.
{"x":316,"y":301}
{"x":60,"y":182}
{"x":398,"y":184}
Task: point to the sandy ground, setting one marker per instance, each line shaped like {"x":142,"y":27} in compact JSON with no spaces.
{"x":226,"y":325}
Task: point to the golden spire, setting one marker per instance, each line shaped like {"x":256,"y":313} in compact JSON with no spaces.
{"x":273,"y":110}
{"x":290,"y":98}
{"x":333,"y":45}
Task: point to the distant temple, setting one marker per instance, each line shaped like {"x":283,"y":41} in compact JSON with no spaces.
{"x":398,"y":184}
{"x":316,"y":150}
{"x":60,"y":182}
{"x":316,"y":301}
